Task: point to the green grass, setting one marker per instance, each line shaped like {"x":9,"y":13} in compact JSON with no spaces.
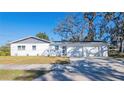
{"x":32,"y":60}
{"x":28,"y":74}
{"x":20,"y":74}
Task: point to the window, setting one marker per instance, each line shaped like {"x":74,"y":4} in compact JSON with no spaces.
{"x":33,"y":47}
{"x":21,"y":47}
{"x":56,"y":47}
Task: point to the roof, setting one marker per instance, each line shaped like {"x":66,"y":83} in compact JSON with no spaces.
{"x":78,"y":43}
{"x":36,"y":38}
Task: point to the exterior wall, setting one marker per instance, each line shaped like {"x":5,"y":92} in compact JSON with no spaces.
{"x":88,"y":49}
{"x":41,"y":49}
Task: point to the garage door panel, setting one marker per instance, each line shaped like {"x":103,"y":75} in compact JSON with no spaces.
{"x":91,"y":51}
{"x":74,"y":52}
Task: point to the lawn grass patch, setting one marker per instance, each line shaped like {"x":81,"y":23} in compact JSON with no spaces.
{"x":21,"y":74}
{"x":32,"y":60}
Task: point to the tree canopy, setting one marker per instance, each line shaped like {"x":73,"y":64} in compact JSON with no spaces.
{"x":42,"y":35}
{"x":79,"y":27}
{"x":91,"y":26}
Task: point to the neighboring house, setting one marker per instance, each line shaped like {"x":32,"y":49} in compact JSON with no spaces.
{"x":33,"y":46}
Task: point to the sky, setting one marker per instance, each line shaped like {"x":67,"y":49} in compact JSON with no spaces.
{"x":16,"y":25}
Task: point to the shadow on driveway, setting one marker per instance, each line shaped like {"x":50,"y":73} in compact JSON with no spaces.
{"x":89,"y":69}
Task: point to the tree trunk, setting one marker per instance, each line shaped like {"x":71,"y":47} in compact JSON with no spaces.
{"x":120,"y":47}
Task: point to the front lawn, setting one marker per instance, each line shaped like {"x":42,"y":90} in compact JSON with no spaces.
{"x":32,"y":60}
{"x":20,"y":74}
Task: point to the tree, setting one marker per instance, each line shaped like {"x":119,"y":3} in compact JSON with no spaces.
{"x":78,"y":27}
{"x":116,"y":30}
{"x":70,"y":29}
{"x":42,"y":35}
{"x":5,"y":50}
{"x":90,"y":18}
{"x":91,"y":26}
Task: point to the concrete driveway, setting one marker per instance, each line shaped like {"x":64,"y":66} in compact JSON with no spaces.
{"x":87,"y":69}
{"x":79,"y":69}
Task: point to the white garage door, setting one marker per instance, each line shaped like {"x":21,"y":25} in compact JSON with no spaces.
{"x":90,"y":51}
{"x":74,"y":51}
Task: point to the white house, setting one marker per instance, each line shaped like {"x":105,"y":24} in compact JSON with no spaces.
{"x":33,"y":46}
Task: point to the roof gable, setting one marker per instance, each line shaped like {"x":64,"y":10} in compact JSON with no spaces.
{"x":31,"y":40}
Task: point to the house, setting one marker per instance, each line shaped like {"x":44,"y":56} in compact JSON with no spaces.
{"x":33,"y":46}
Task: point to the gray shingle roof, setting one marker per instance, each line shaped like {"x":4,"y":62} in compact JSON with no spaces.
{"x":30,"y":39}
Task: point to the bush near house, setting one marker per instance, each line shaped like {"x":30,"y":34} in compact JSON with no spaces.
{"x":113,"y":52}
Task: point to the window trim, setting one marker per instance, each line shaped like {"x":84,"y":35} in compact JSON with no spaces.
{"x":21,"y":47}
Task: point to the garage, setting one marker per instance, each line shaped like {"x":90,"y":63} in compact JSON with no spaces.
{"x":82,"y":48}
{"x":87,"y":49}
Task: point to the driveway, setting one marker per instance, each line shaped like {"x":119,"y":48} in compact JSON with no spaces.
{"x":87,"y":69}
{"x":79,"y":69}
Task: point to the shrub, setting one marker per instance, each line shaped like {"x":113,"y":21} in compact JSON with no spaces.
{"x":2,"y":53}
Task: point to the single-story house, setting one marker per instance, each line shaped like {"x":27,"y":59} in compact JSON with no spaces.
{"x":33,"y":46}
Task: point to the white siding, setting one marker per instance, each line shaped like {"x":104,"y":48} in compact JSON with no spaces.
{"x":41,"y":49}
{"x":77,"y":49}
{"x":104,"y":51}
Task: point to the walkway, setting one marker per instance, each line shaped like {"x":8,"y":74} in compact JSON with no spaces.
{"x":25,"y":67}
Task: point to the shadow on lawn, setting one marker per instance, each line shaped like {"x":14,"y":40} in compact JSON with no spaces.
{"x":31,"y":74}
